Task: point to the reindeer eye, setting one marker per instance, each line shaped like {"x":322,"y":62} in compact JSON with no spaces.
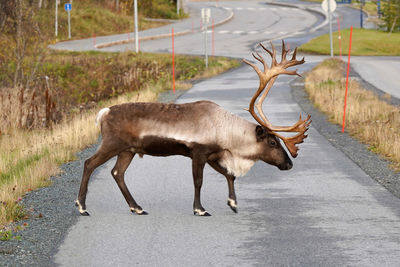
{"x":272,"y":143}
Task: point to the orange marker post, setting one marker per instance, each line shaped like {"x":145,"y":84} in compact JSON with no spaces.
{"x":173,"y":62}
{"x":347,"y":81}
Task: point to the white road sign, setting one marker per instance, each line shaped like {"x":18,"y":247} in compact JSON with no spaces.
{"x":205,"y":15}
{"x":332,"y":3}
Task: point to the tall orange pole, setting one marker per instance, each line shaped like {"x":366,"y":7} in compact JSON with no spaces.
{"x":347,"y":81}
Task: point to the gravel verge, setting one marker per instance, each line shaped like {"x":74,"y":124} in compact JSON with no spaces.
{"x":41,"y":239}
{"x":53,"y":213}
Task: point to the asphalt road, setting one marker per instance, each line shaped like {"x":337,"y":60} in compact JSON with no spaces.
{"x":326,"y":211}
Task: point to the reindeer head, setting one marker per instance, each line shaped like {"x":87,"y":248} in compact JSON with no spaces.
{"x":271,"y":150}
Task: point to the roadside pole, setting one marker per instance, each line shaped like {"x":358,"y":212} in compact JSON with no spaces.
{"x":205,"y":44}
{"x":56,"y":19}
{"x":68,"y":8}
{"x":378,"y":3}
{"x":173,"y":61}
{"x":361,"y":14}
{"x":213,"y":39}
{"x":329,"y":6}
{"x":136,"y":27}
{"x":347,"y":81}
{"x":330,"y":26}
{"x":340,"y":38}
{"x":205,"y":16}
{"x":69,"y":25}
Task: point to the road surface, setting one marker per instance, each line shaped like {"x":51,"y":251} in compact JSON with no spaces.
{"x":326,"y":211}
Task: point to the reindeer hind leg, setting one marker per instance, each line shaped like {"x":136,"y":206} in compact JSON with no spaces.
{"x":118,"y":172}
{"x":102,"y":155}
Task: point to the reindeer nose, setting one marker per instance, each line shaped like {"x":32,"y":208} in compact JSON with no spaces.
{"x":286,"y":165}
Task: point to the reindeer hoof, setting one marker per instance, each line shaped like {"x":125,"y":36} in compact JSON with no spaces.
{"x":139,"y":211}
{"x":82,"y":211}
{"x":234,"y":209}
{"x":143,"y":212}
{"x":232,"y":204}
{"x":201,"y":213}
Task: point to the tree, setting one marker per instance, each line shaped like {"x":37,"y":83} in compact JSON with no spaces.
{"x":7,"y":12}
{"x":391,"y":15}
{"x":23,"y":50}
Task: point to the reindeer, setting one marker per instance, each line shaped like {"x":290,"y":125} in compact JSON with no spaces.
{"x":231,"y":145}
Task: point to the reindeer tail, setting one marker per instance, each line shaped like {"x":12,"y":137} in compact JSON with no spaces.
{"x":101,"y":113}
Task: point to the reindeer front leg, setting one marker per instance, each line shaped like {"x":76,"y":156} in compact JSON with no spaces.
{"x":198,"y":162}
{"x":232,"y":202}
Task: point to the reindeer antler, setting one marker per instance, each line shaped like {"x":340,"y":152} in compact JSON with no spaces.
{"x":267,"y":79}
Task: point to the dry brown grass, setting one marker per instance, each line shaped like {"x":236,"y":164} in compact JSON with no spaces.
{"x":29,"y":158}
{"x":371,"y":120}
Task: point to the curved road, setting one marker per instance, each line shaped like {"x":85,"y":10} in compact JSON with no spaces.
{"x":326,"y":211}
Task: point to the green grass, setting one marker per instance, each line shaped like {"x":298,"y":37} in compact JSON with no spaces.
{"x":364,"y":43}
{"x":20,"y":167}
{"x":91,"y":17}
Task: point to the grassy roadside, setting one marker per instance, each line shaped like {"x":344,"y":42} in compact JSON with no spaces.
{"x":364,"y":43}
{"x":99,"y":18}
{"x":369,"y":119}
{"x":29,"y":158}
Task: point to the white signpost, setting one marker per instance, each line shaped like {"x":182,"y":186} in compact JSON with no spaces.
{"x":68,"y":8}
{"x":56,"y":18}
{"x":329,"y":6}
{"x":205,"y":16}
{"x":136,"y":26}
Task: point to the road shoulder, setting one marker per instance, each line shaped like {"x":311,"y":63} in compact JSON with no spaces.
{"x":372,"y":164}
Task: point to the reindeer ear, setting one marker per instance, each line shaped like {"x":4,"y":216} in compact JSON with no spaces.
{"x":261,"y":133}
